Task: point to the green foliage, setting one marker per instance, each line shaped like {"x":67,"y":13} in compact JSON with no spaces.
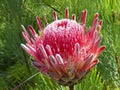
{"x":15,"y":65}
{"x":92,"y":82}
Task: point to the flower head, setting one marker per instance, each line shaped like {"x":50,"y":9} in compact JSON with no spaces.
{"x":65,"y":51}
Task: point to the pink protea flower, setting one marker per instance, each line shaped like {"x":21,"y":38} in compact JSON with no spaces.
{"x":65,"y":50}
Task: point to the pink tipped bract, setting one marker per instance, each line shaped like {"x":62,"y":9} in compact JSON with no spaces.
{"x":65,"y":50}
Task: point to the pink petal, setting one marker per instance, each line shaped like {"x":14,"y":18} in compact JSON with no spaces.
{"x":39,"y":23}
{"x":73,"y":17}
{"x":67,"y":13}
{"x":39,"y":66}
{"x":25,"y":48}
{"x":25,"y":31}
{"x":92,"y":65}
{"x":32,"y":30}
{"x":99,"y":51}
{"x":84,"y":17}
{"x":87,"y":62}
{"x":94,"y":23}
{"x":100,"y":25}
{"x":55,"y":15}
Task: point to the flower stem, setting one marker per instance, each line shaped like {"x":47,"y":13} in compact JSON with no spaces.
{"x":71,"y":87}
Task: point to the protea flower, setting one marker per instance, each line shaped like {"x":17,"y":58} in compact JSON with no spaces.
{"x":65,"y":50}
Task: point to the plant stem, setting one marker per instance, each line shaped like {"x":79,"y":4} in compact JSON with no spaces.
{"x":71,"y":87}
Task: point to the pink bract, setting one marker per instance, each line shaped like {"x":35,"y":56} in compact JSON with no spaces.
{"x":65,"y":50}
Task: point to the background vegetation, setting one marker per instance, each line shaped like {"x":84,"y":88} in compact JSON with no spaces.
{"x":15,"y":66}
